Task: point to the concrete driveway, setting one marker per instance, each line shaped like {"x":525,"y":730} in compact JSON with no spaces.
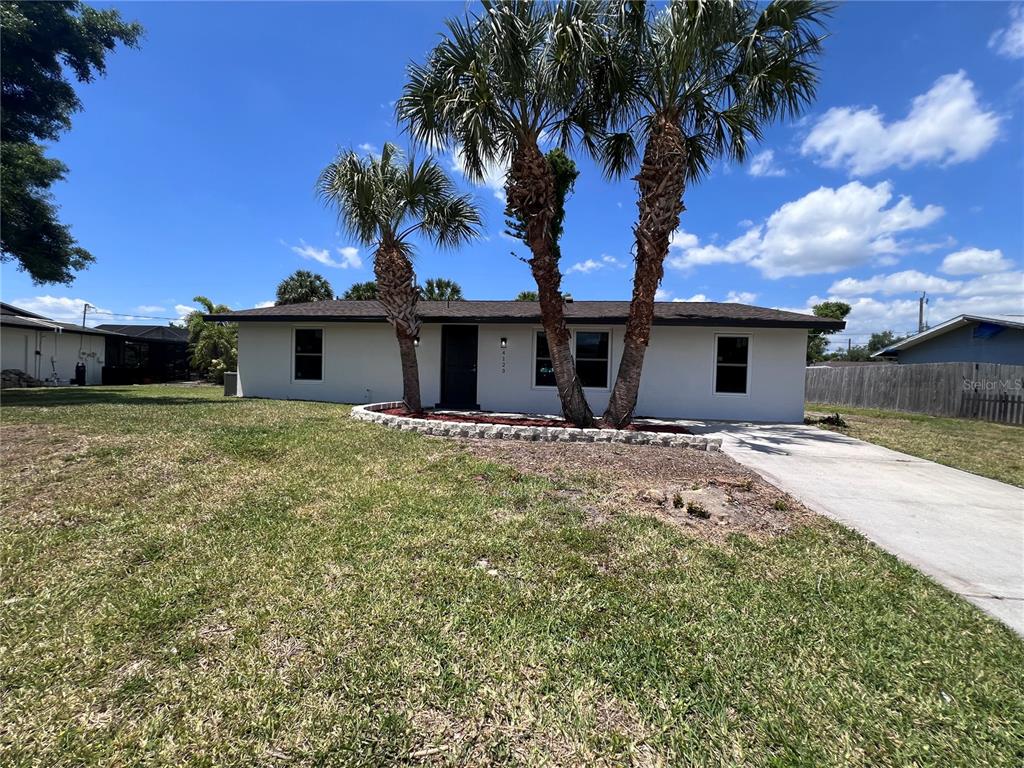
{"x":965,"y":531}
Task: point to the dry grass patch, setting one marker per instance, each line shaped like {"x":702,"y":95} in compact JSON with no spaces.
{"x":272,"y":582}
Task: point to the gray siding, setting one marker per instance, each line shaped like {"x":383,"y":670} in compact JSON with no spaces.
{"x":960,"y":346}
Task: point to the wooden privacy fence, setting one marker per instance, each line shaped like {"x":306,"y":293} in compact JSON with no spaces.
{"x":985,"y":391}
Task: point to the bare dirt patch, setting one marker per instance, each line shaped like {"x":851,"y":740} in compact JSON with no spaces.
{"x":706,"y":493}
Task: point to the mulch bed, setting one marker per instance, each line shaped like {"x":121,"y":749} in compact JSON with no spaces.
{"x":526,"y":421}
{"x":706,"y":493}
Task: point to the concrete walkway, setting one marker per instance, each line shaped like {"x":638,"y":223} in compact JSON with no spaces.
{"x":965,"y":531}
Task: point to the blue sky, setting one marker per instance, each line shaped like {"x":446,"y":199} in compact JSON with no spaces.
{"x":192,"y":170}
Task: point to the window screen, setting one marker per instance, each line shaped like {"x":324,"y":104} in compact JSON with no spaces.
{"x":731,"y":364}
{"x":592,"y":358}
{"x":309,"y":354}
{"x":543,"y":370}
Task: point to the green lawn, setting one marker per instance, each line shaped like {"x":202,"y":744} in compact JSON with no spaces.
{"x":192,"y":580}
{"x":990,"y":450}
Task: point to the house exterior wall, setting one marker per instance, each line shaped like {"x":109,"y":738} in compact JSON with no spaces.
{"x":18,"y":346}
{"x":960,"y":346}
{"x":361,"y":365}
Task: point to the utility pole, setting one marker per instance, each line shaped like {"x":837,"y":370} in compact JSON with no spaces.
{"x":85,"y":308}
{"x":920,"y":312}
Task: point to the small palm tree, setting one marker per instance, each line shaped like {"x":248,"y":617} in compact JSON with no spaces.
{"x":361,"y":291}
{"x":694,"y":82}
{"x":303,"y":286}
{"x":496,"y":84}
{"x":527,"y":296}
{"x":440,"y":289}
{"x":213,"y":346}
{"x":383,"y":201}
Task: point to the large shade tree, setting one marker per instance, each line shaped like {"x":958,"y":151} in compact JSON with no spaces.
{"x":497,"y":85}
{"x":303,"y":286}
{"x":384,"y":201}
{"x":45,"y":46}
{"x":683,"y":86}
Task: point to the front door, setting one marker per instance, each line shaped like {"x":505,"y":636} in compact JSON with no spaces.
{"x":458,"y":366}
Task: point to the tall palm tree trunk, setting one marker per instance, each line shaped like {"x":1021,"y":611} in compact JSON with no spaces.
{"x":531,"y":193}
{"x":396,"y":290}
{"x":662,"y":181}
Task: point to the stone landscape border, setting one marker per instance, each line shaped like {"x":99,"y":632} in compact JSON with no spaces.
{"x":373,"y":413}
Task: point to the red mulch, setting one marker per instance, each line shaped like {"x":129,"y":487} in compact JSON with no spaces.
{"x":525,"y":421}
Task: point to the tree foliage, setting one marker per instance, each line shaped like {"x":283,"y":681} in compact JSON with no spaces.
{"x":43,"y":43}
{"x":527,"y":296}
{"x":214,"y":346}
{"x":881,"y":340}
{"x":817,"y":341}
{"x":440,"y":289}
{"x":303,"y":286}
{"x":361,"y":291}
{"x":384,"y":201}
{"x":565,"y":173}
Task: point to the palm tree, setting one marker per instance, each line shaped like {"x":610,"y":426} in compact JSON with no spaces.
{"x":496,"y":84}
{"x":526,"y":296}
{"x":213,"y":346}
{"x":440,"y":289}
{"x":695,"y":82}
{"x":383,"y":201}
{"x":303,"y":286}
{"x":361,"y":291}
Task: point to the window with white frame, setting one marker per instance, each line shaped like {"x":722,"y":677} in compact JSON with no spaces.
{"x":543,"y":369}
{"x":732,"y":360}
{"x":592,"y":358}
{"x":591,"y":349}
{"x":309,"y":354}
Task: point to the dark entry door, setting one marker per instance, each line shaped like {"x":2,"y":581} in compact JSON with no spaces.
{"x":458,"y":366}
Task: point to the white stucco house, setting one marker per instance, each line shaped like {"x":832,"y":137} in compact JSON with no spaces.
{"x":705,"y":360}
{"x":49,"y":350}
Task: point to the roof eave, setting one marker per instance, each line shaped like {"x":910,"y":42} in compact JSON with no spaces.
{"x":723,"y":322}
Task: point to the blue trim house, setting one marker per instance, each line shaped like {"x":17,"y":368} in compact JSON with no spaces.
{"x":964,"y":339}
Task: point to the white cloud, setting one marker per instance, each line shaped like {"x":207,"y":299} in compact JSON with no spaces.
{"x":662,"y":294}
{"x":740,"y":297}
{"x":264,"y":304}
{"x":763,"y":164}
{"x":62,"y":308}
{"x":584,"y":267}
{"x":368,"y":147}
{"x":909,"y":281}
{"x":974,"y":261}
{"x":349,"y":255}
{"x":494,"y":174}
{"x":946,"y":125}
{"x":184,"y":310}
{"x":825,"y":231}
{"x":1009,"y":42}
{"x":150,"y":309}
{"x":592,"y":265}
{"x":998,"y":293}
{"x":695,"y":297}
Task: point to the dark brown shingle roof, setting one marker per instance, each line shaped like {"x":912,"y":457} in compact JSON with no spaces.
{"x":576,"y":312}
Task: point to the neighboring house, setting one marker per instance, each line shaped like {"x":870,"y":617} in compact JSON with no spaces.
{"x":705,"y":360}
{"x":964,"y":339}
{"x":49,"y":350}
{"x":141,"y":354}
